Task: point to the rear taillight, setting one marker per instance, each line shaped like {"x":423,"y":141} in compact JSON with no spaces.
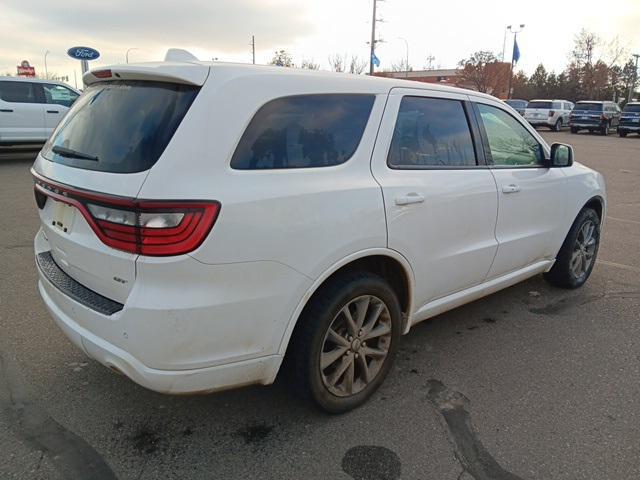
{"x":551,"y":113}
{"x":145,"y":227}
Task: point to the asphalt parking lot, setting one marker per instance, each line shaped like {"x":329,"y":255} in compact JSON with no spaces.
{"x":532,"y":382}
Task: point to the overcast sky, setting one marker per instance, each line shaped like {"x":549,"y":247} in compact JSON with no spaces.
{"x":308,"y":29}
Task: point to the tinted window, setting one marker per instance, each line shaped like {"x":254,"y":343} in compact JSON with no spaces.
{"x":557,"y":105}
{"x":595,"y":107}
{"x":18,"y":92}
{"x":303,"y":131}
{"x":632,"y":108}
{"x":545,"y":105}
{"x":516,"y":103}
{"x":126,"y":125}
{"x":431,"y":132}
{"x":59,"y":95}
{"x":509,"y":141}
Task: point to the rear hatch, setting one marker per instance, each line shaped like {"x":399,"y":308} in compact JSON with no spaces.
{"x":587,"y":113}
{"x":89,"y":173}
{"x":631,"y":115}
{"x":538,"y":110}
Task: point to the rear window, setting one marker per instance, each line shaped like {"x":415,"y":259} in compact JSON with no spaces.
{"x":517,"y":103}
{"x":120,"y":127}
{"x":303,"y":131}
{"x":589,"y":107}
{"x":539,"y":105}
{"x":632,"y":108}
{"x":18,"y":92}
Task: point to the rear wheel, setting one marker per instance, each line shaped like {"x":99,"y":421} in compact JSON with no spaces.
{"x":622,"y":133}
{"x":578,"y":253}
{"x":345,"y":341}
{"x":574,"y":130}
{"x":558,"y":126}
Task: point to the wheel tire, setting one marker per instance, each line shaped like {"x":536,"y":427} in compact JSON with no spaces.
{"x":310,"y":338}
{"x":622,"y":133}
{"x":561,"y":274}
{"x":558,"y":126}
{"x":605,"y":129}
{"x":574,"y":130}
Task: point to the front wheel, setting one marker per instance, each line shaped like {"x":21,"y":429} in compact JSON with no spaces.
{"x":574,"y":130}
{"x":345,"y":341}
{"x":622,"y":133}
{"x":578,"y":253}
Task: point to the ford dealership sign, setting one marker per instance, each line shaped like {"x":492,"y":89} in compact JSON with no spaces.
{"x":83,"y":53}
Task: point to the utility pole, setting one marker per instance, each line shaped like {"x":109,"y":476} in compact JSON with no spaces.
{"x":373,"y":37}
{"x":253,"y":49}
{"x":46,"y":71}
{"x":635,"y":79}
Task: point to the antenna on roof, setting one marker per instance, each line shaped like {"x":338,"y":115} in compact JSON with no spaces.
{"x":179,"y":55}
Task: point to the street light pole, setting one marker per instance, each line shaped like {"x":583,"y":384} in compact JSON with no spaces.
{"x":373,"y":38}
{"x":126,"y":55}
{"x":46,"y":71}
{"x":504,"y":41}
{"x":406,"y":44}
{"x":635,"y":79}
{"x":515,"y":37}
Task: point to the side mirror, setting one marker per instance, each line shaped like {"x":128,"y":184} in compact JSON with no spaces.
{"x":561,"y":155}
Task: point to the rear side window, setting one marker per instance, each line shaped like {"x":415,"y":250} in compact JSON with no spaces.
{"x":431,"y":132}
{"x":120,"y":127}
{"x":18,"y":92}
{"x":557,"y":105}
{"x":303,"y":131}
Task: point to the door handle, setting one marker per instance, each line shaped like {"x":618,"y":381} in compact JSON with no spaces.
{"x":409,"y":198}
{"x":513,"y":188}
{"x":53,"y":111}
{"x":6,"y":110}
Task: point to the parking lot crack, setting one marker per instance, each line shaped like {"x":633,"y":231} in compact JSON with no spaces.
{"x":468,"y":449}
{"x":71,"y":455}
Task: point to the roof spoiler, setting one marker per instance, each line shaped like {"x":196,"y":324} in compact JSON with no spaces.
{"x":179,"y":55}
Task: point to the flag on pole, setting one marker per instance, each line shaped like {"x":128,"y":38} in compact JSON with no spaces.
{"x":375,"y":60}
{"x":516,"y":51}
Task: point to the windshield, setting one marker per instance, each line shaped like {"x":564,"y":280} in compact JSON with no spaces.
{"x":632,"y":108}
{"x":539,"y":105}
{"x":120,"y":127}
{"x":590,"y":107}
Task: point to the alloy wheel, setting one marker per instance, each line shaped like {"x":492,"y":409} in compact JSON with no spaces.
{"x":355,"y":346}
{"x":584,"y":250}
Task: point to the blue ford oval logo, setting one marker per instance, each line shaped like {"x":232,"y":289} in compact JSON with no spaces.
{"x":83,"y":53}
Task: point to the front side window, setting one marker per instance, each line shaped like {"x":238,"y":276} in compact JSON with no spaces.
{"x":304,"y":131}
{"x":431,"y":132}
{"x":510,"y":143}
{"x":59,"y":95}
{"x":18,"y":92}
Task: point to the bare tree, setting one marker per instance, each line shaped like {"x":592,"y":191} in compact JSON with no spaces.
{"x":310,"y":64}
{"x":337,"y":62}
{"x":401,"y":66}
{"x":357,"y":65}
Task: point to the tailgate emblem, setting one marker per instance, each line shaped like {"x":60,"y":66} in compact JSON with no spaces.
{"x":120,"y":280}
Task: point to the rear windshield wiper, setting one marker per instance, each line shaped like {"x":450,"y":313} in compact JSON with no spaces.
{"x":71,"y":153}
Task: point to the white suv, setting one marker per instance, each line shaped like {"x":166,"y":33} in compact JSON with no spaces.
{"x":549,"y":113}
{"x":203,"y":222}
{"x":30,"y":108}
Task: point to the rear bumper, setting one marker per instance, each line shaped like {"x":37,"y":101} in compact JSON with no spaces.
{"x":186,"y":327}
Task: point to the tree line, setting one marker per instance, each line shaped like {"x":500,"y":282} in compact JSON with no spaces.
{"x":596,"y":70}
